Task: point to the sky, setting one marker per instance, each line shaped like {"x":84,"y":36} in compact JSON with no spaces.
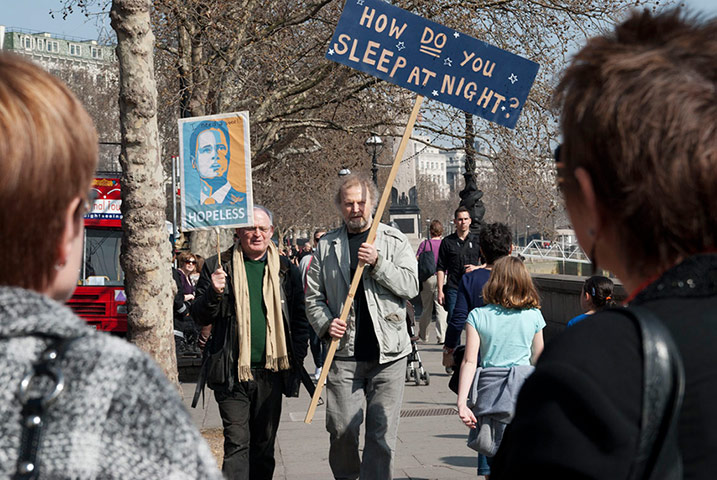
{"x":34,"y":15}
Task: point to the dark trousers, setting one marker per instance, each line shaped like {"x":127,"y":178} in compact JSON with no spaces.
{"x":318,"y":348}
{"x":451,"y":295}
{"x":250,"y":414}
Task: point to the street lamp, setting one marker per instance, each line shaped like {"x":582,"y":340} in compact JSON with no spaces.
{"x":374,"y":145}
{"x":527,"y":229}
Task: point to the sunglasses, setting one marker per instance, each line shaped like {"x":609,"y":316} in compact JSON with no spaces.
{"x":193,"y":262}
{"x":560,"y":167}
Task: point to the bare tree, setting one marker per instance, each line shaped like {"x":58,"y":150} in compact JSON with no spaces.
{"x":544,"y":32}
{"x":145,"y":250}
{"x":268,"y":58}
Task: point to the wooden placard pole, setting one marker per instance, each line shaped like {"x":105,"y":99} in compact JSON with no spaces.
{"x":359,"y":270}
{"x":219,"y":250}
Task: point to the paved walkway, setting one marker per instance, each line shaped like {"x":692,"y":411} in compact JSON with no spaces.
{"x":431,"y":437}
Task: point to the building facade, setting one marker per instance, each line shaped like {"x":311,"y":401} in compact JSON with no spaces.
{"x":91,"y":71}
{"x":48,"y":48}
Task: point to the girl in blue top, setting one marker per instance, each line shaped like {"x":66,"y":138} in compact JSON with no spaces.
{"x":508,"y":331}
{"x":595,"y":295}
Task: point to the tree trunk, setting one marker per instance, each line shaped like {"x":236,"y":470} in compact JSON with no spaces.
{"x":145,"y":255}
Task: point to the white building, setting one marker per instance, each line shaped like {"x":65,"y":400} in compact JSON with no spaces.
{"x":446,"y":168}
{"x":89,"y":69}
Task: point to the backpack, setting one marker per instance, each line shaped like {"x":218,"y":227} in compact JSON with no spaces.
{"x":426,"y":263}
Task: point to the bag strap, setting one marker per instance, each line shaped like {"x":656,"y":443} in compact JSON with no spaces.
{"x":35,"y":401}
{"x":662,"y":393}
{"x":201,"y":378}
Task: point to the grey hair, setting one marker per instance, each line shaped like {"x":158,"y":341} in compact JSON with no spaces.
{"x":364,"y":182}
{"x":268,"y":213}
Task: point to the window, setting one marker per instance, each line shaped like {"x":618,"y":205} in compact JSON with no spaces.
{"x":75,"y":50}
{"x":40,"y":44}
{"x":102,"y":251}
{"x":27,"y":42}
{"x":53,"y":46}
{"x":95,"y":52}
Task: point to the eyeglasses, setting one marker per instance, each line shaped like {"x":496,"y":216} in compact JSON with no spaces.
{"x":261,"y":229}
{"x":193,"y":262}
{"x":85,"y":206}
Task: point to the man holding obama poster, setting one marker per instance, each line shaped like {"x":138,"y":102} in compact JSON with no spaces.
{"x":251,"y":296}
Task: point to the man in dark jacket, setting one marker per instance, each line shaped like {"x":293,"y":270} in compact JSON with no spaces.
{"x":255,"y":300}
{"x":459,"y":254}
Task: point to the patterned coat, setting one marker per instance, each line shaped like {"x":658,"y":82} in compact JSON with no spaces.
{"x":118,"y":417}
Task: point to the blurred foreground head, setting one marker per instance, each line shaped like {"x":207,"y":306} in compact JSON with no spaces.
{"x":638,"y":164}
{"x":48,"y":154}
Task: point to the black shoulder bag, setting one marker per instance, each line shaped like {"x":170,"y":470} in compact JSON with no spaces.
{"x":658,"y":455}
{"x":426,"y":262}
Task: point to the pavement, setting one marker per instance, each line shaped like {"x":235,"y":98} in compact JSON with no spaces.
{"x":431,"y":438}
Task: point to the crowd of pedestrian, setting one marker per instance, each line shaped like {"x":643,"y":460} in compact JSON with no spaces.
{"x":638,"y":170}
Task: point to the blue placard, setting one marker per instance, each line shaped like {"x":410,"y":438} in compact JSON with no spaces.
{"x":432,"y":60}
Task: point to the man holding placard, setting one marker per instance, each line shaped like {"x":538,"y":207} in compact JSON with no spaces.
{"x":255,"y":300}
{"x":370,"y":363}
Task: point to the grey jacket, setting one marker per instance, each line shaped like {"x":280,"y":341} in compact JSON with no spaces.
{"x":118,"y":417}
{"x":492,"y":398}
{"x":387,"y":285}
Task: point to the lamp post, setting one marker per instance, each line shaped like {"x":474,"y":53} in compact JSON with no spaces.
{"x":527,"y":228}
{"x":374,"y":145}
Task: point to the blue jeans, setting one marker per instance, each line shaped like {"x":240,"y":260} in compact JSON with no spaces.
{"x":348,"y":383}
{"x":483,"y":466}
{"x":451,"y":295}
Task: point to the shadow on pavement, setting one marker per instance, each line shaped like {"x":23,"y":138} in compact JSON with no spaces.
{"x":461,"y":461}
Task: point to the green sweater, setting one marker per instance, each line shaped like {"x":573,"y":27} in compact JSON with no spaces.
{"x":255,"y":279}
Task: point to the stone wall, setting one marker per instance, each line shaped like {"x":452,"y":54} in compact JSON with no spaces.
{"x":560,"y":298}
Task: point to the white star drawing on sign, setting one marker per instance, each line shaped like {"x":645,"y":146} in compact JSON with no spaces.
{"x":456,"y":34}
{"x":513,"y":78}
{"x":331,"y":51}
{"x":400,"y":46}
{"x":448,"y":62}
{"x":503,"y":108}
{"x":434,"y":93}
{"x":359,"y":2}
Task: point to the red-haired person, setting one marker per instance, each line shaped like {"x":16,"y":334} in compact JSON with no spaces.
{"x":638,"y":170}
{"x":74,"y":402}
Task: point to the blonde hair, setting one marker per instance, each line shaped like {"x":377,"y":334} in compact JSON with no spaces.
{"x":48,"y":154}
{"x":510,"y":285}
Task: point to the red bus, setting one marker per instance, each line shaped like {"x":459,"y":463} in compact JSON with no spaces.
{"x":100,"y":297}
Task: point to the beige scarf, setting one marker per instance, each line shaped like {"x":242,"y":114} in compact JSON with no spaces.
{"x":277,"y":356}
